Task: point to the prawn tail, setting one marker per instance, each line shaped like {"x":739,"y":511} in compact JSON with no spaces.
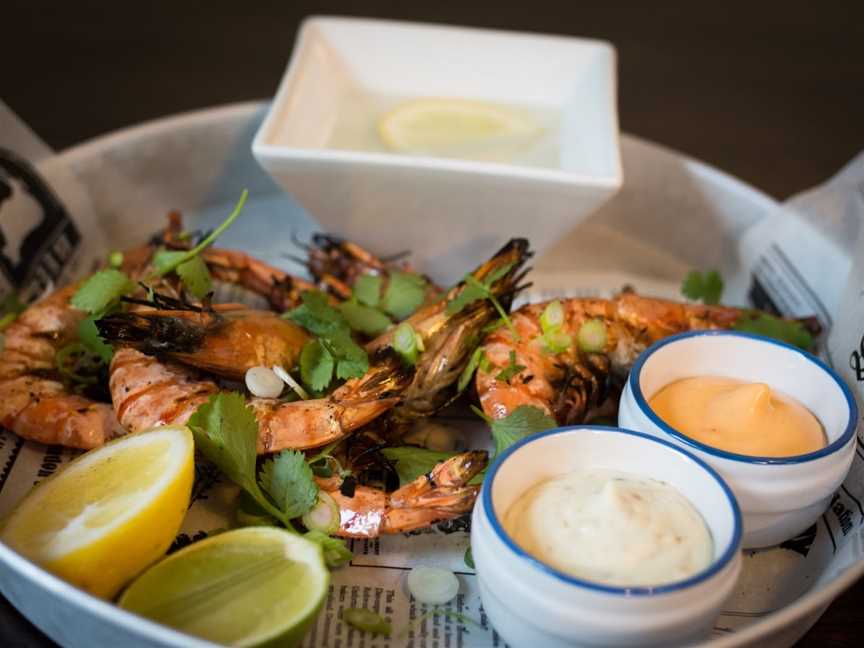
{"x":445,"y":487}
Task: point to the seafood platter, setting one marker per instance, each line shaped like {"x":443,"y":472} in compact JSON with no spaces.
{"x":245,"y":427}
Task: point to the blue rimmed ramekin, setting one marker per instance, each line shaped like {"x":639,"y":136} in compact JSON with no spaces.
{"x":533,"y":604}
{"x":779,"y":496}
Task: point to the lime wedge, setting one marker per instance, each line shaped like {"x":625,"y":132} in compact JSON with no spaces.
{"x":245,"y":587}
{"x":455,"y":128}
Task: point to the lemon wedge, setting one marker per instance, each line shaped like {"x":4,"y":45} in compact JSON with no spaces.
{"x":456,"y":128}
{"x":247,"y":587}
{"x":110,"y":512}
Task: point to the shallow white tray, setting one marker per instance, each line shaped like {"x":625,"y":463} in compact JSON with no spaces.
{"x":199,"y":163}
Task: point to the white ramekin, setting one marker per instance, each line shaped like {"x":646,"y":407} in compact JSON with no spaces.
{"x":533,"y":604}
{"x":779,"y":497}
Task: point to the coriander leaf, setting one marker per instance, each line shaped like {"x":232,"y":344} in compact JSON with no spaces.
{"x":474,"y":290}
{"x":367,"y":290}
{"x":101,"y":289}
{"x":788,"y":331}
{"x":166,"y":260}
{"x":352,"y":361}
{"x":336,"y":553}
{"x":404,"y":293}
{"x":365,"y":319}
{"x":521,"y":422}
{"x":226,"y":432}
{"x":493,"y":326}
{"x":497,"y":274}
{"x":315,"y":314}
{"x":707,"y":287}
{"x":89,"y":336}
{"x":348,"y":368}
{"x":316,"y":366}
{"x":321,"y":319}
{"x":470,"y":368}
{"x":468,"y":295}
{"x":195,"y":276}
{"x":216,"y":233}
{"x":511,"y":370}
{"x":410,"y":462}
{"x":288,"y":479}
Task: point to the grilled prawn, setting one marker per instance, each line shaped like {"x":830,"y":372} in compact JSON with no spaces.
{"x":442,"y":494}
{"x":148,"y":391}
{"x":570,"y":384}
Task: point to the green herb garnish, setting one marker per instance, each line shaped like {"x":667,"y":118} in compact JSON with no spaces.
{"x":226,"y":432}
{"x":11,"y":307}
{"x":102,"y":290}
{"x":89,"y":336}
{"x":336,"y":553}
{"x":115,"y":259}
{"x":367,"y":290}
{"x":521,"y":422}
{"x":705,"y":287}
{"x":469,"y":558}
{"x":411,"y":462}
{"x":365,"y":319}
{"x":407,"y":343}
{"x":367,"y":621}
{"x":195,"y":277}
{"x":553,"y":337}
{"x":787,"y":331}
{"x":288,"y":479}
{"x":478,"y":359}
{"x":511,"y":370}
{"x":405,"y":292}
{"x":321,"y":319}
{"x":207,"y":242}
{"x":316,"y":366}
{"x":592,"y":336}
{"x":475,"y":290}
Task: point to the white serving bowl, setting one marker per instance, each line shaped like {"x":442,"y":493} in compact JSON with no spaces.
{"x":779,"y":496}
{"x":448,"y":212}
{"x":533,"y":604}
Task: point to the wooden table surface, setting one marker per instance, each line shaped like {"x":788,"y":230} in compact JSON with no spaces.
{"x":772,"y":92}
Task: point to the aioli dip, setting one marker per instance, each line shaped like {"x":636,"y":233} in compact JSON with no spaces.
{"x":737,"y":416}
{"x":611,"y":527}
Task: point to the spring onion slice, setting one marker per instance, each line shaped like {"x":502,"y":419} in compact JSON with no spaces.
{"x":432,"y":585}
{"x":366,"y":620}
{"x":592,"y":336}
{"x":324,"y":516}
{"x":289,"y":380}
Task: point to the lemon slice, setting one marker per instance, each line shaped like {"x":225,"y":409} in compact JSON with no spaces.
{"x":110,"y":512}
{"x":240,"y":588}
{"x":456,"y":128}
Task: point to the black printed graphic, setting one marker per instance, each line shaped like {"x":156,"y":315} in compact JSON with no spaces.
{"x":802,"y":542}
{"x":37,"y":236}
{"x":760,"y":298}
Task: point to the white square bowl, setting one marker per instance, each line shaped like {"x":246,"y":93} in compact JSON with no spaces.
{"x":450,"y":213}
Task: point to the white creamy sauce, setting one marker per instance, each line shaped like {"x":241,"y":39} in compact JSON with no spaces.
{"x":612,"y":528}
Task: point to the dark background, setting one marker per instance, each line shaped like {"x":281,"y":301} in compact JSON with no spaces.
{"x":772,"y":92}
